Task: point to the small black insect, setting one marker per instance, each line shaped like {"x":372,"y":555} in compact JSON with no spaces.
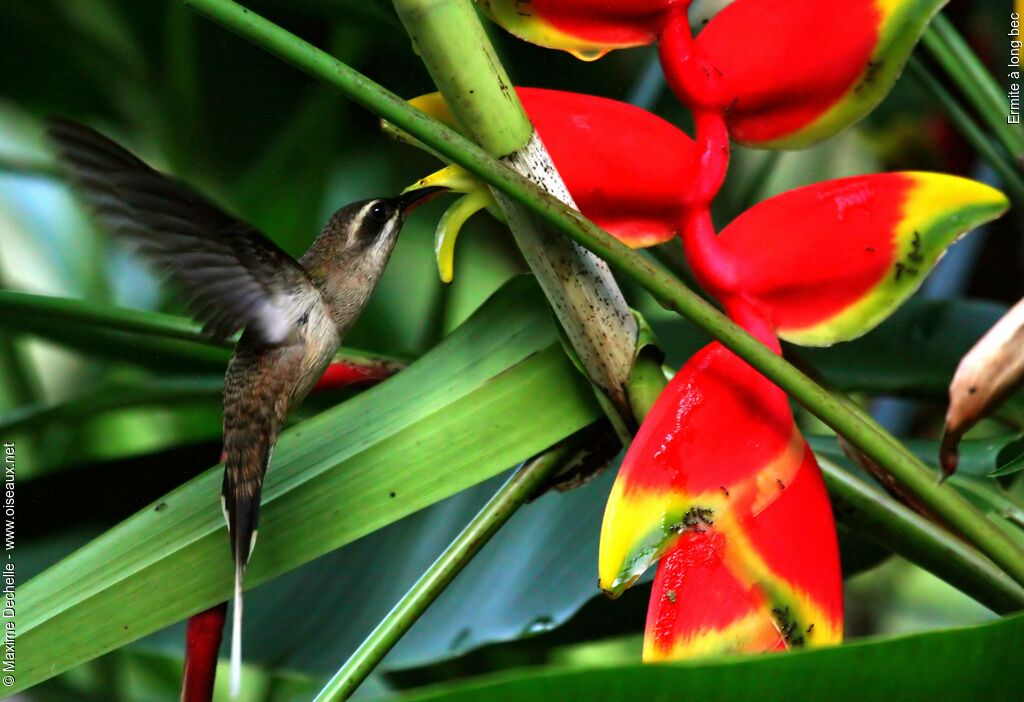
{"x":915,"y":249}
{"x":902,"y":268}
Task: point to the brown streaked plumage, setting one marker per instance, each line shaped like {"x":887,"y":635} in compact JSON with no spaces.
{"x":294,"y":313}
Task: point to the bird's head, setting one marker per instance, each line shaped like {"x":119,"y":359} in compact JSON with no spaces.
{"x":361,"y":235}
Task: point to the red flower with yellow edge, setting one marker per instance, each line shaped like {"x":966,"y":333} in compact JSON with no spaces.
{"x":763,"y":582}
{"x":718,"y":480}
{"x":828,"y":262}
{"x":816,"y":265}
{"x":784,"y":74}
{"x":631,"y":172}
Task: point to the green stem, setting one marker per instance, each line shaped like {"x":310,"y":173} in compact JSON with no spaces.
{"x":17,"y":371}
{"x":846,"y":421}
{"x":450,"y":39}
{"x":28,"y":166}
{"x":1011,"y":178}
{"x":456,"y":51}
{"x":882,"y":520}
{"x":646,"y":381}
{"x":976,"y":83}
{"x":87,"y":326}
{"x":519,"y":488}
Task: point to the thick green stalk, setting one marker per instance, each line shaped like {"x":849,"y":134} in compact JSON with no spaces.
{"x":451,"y":40}
{"x":846,"y":421}
{"x":882,"y":520}
{"x":975,"y":82}
{"x":519,"y":488}
{"x":1012,"y":178}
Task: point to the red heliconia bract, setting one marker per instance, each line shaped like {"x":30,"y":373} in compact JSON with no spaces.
{"x":784,"y":74}
{"x":586,"y":28}
{"x":759,"y":582}
{"x":629,"y":171}
{"x":719,"y":484}
{"x":339,"y":375}
{"x":829,"y":261}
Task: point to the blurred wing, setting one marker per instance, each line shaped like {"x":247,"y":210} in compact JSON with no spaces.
{"x":234,"y":276}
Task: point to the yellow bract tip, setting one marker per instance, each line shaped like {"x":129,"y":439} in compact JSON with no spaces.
{"x":939,"y":192}
{"x":450,"y":225}
{"x":454,"y":178}
{"x":434,"y":105}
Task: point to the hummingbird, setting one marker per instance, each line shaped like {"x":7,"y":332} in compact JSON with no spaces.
{"x":293,"y":314}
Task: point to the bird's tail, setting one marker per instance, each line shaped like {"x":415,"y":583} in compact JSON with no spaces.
{"x":241,"y":494}
{"x":236,"y":632}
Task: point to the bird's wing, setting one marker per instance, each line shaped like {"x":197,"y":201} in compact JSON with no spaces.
{"x":233,"y":275}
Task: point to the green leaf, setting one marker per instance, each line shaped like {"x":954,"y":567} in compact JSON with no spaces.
{"x":149,"y":339}
{"x":556,"y":535}
{"x":1010,"y":459}
{"x":973,"y":663}
{"x":495,"y":392}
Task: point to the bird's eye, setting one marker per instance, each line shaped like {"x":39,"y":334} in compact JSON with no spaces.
{"x":380,"y":211}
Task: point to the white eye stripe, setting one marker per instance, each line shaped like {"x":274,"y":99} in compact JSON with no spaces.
{"x":364,"y":211}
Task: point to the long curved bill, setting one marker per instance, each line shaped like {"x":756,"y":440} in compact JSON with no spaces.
{"x":409,"y":200}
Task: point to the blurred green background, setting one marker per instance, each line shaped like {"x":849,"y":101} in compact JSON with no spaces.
{"x":284,"y":152}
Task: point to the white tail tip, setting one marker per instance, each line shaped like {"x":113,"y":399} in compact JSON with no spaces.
{"x":236,"y":636}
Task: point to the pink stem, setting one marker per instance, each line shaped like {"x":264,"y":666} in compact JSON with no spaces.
{"x":709,"y":263}
{"x":693,"y":80}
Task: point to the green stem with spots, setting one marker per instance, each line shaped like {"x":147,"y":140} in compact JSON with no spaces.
{"x":456,"y":51}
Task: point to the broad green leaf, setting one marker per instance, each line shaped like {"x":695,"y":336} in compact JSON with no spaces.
{"x":353,"y":588}
{"x":495,"y":392}
{"x":973,"y":663}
